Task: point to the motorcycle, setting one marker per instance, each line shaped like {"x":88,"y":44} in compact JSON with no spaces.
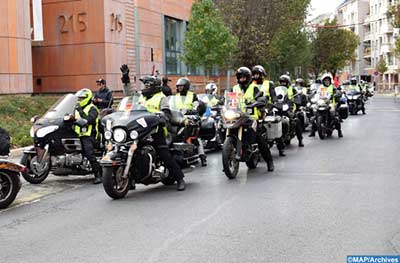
{"x":131,"y":159}
{"x":57,"y":147}
{"x":283,"y":109}
{"x":302,"y":108}
{"x":10,"y":182}
{"x":354,"y":100}
{"x":326,"y":119}
{"x":240,"y":143}
{"x":211,"y":132}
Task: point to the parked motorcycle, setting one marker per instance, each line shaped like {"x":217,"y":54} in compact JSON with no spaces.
{"x":240,"y":143}
{"x":211,"y":132}
{"x":57,"y":147}
{"x":10,"y":183}
{"x":131,"y":158}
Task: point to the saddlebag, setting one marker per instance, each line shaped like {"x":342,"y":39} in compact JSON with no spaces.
{"x":207,"y":130}
{"x":273,"y":124}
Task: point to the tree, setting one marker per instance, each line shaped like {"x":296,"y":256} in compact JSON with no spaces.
{"x":381,"y":67}
{"x":394,"y":15}
{"x":333,"y":48}
{"x":208,"y":42}
{"x":257,"y":24}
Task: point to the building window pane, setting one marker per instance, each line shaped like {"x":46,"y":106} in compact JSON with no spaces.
{"x":173,"y":45}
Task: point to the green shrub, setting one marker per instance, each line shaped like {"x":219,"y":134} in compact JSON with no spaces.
{"x":16,"y":112}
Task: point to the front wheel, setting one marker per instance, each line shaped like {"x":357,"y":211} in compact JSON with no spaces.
{"x":115,"y":184}
{"x":9,"y":188}
{"x":321,"y":127}
{"x":229,"y":162}
{"x":36,"y":171}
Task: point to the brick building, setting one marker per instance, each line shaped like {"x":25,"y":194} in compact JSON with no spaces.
{"x":84,"y":40}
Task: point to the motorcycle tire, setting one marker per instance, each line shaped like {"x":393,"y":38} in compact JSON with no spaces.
{"x":29,"y":175}
{"x":253,"y":161}
{"x":288,"y":142}
{"x":10,"y":186}
{"x":230,"y":164}
{"x":320,"y":128}
{"x":113,"y":184}
{"x":168,"y":181}
{"x":329,"y":133}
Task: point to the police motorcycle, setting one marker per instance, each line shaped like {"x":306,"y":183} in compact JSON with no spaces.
{"x":131,"y":159}
{"x":302,"y":107}
{"x":325,"y":116}
{"x":240,"y":143}
{"x":184,"y":140}
{"x":57,"y":147}
{"x":212,"y":131}
{"x":354,"y":100}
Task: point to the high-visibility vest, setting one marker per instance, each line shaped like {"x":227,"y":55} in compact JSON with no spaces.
{"x":188,"y":103}
{"x":328,"y":90}
{"x":154,"y":103}
{"x":248,"y":97}
{"x":87,"y":131}
{"x":290,"y":93}
{"x":264,"y":88}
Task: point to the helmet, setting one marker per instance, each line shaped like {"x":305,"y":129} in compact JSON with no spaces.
{"x":152,"y":85}
{"x":284,"y":79}
{"x":258,"y":70}
{"x":300,"y":82}
{"x":353,"y":81}
{"x":211,"y":88}
{"x":84,"y":97}
{"x":243,"y":72}
{"x":327,"y":76}
{"x":185,"y":82}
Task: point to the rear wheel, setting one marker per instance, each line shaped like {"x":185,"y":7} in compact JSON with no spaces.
{"x":115,"y":184}
{"x":229,"y":162}
{"x":36,"y":171}
{"x":9,"y":187}
{"x":321,"y":127}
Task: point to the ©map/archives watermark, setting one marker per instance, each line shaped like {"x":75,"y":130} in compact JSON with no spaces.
{"x":373,"y":259}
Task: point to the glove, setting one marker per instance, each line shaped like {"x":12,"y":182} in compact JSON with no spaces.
{"x":79,"y":109}
{"x":125,"y":74}
{"x":186,"y":122}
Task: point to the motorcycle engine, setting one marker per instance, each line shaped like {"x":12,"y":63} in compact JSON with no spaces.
{"x":69,"y":160}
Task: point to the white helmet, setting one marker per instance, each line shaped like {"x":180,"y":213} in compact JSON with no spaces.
{"x":327,"y":75}
{"x":211,"y":88}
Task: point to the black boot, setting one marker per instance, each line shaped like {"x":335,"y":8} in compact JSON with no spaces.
{"x":180,"y":186}
{"x":282,"y":153}
{"x":312,"y":134}
{"x":340,"y":134}
{"x":271,"y":166}
{"x":203,"y":159}
{"x":97,"y":178}
{"x":301,"y":143}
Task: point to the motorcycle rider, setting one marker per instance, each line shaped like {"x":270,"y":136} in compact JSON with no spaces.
{"x":284,"y":80}
{"x":355,"y":86}
{"x":155,"y":101}
{"x":183,"y":89}
{"x":263,"y":84}
{"x":250,"y":93}
{"x":327,"y":81}
{"x":89,"y":132}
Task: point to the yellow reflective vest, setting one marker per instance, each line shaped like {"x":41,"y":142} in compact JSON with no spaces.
{"x":87,"y":131}
{"x":248,"y":97}
{"x":154,"y":103}
{"x":264,"y":88}
{"x":188,"y":103}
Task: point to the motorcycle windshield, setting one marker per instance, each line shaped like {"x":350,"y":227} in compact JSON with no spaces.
{"x":281,"y":92}
{"x":233,"y":101}
{"x":64,"y":106}
{"x":131,"y":103}
{"x":206,"y":98}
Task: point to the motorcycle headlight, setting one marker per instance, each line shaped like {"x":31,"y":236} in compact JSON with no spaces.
{"x":46,"y":130}
{"x":230,"y":115}
{"x":119,"y":135}
{"x":350,"y":97}
{"x":285,"y":107}
{"x":107,"y":135}
{"x":314,"y":100}
{"x":321,"y":103}
{"x":134,"y":135}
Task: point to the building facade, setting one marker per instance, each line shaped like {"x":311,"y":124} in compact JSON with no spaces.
{"x":84,"y":40}
{"x":351,"y":14}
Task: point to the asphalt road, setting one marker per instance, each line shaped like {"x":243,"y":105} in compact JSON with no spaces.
{"x":331,"y":199}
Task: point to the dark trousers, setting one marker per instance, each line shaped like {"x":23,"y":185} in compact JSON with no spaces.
{"x":88,"y":144}
{"x":264,"y":148}
{"x":165,"y":156}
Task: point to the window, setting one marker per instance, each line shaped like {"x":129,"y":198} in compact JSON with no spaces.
{"x":390,"y":59}
{"x":173,"y":45}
